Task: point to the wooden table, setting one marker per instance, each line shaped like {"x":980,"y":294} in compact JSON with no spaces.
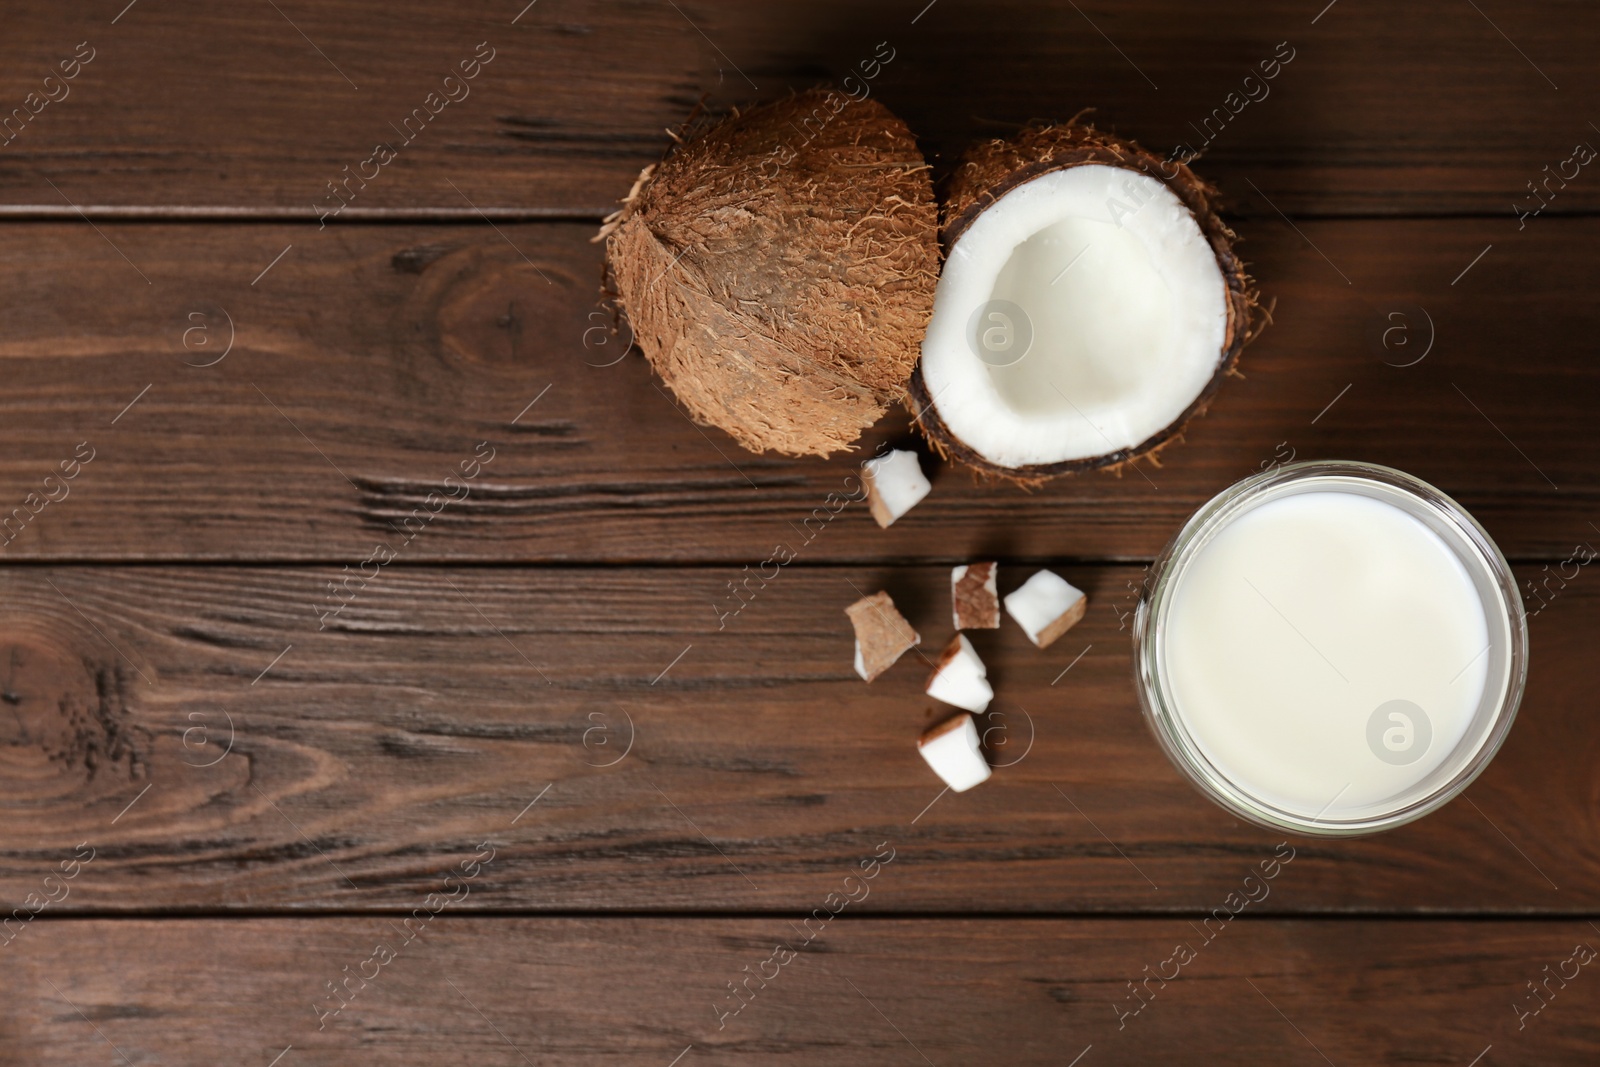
{"x":522,"y":793}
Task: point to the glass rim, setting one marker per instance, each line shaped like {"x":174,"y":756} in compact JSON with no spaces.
{"x":1173,"y":737}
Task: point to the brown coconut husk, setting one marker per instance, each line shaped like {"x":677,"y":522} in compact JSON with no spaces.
{"x":990,"y":170}
{"x":777,"y":269}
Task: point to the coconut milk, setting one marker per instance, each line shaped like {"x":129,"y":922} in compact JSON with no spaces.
{"x":1328,"y":653}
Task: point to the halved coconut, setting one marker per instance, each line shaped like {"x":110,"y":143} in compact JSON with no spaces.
{"x":778,"y":269}
{"x":1090,"y":304}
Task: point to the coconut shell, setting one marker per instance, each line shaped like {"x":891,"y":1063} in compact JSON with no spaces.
{"x":990,"y":170}
{"x":882,"y":634}
{"x":778,"y":267}
{"x":973,"y":601}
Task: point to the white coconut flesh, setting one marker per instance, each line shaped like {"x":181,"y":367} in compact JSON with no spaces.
{"x":1102,"y":279}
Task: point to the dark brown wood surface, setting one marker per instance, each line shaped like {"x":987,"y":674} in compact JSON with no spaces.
{"x":687,"y":767}
{"x":252,"y":790}
{"x":1382,"y":109}
{"x":370,"y":362}
{"x":947,"y":991}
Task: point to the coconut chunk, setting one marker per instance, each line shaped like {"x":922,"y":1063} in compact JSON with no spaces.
{"x":953,"y":751}
{"x":1046,"y":606}
{"x":882,"y":634}
{"x":895,"y":484}
{"x":960,"y":677}
{"x":974,"y":598}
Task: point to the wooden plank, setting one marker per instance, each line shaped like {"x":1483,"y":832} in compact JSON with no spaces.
{"x":656,"y":992}
{"x":216,"y":749}
{"x":186,"y":106}
{"x":369,"y":363}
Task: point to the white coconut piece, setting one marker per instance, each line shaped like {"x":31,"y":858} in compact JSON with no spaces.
{"x":895,"y":484}
{"x":953,"y":751}
{"x":882,"y":634}
{"x":1046,"y":606}
{"x":960,"y":678}
{"x":974,"y":596}
{"x":1077,"y":317}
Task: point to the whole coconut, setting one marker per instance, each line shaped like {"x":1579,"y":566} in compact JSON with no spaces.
{"x":778,"y":269}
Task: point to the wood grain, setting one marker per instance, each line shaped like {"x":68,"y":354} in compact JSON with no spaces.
{"x":217,"y":749}
{"x":357,"y":590}
{"x":519,"y":991}
{"x":368,"y":363}
{"x":188,"y":107}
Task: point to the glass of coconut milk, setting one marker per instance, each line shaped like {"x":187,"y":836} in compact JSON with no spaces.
{"x":1332,"y":648}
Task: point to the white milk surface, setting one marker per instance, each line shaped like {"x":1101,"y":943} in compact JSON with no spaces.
{"x":1296,"y":623}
